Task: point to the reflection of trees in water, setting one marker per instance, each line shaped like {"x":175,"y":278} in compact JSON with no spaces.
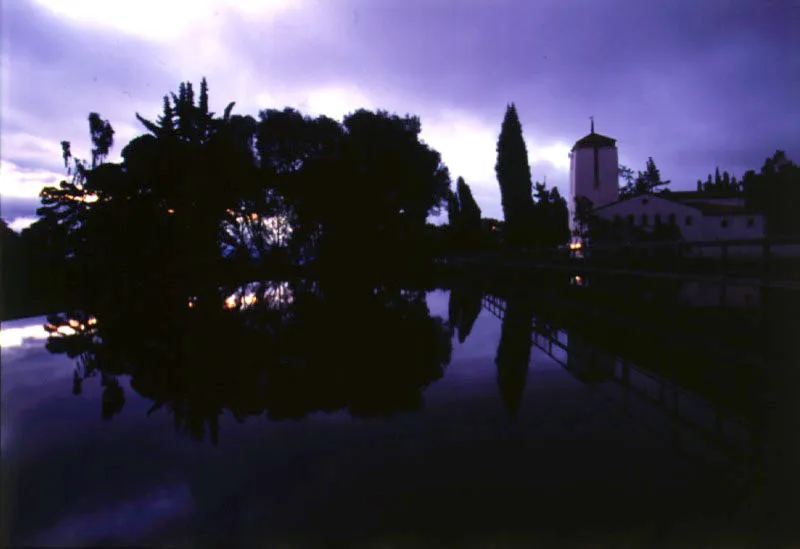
{"x":514,"y":353}
{"x":366,"y":351}
{"x":76,"y":335}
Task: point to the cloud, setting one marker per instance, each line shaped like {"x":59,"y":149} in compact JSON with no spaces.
{"x":17,"y":182}
{"x":468,"y":146}
{"x":162,"y":21}
{"x":21,"y":223}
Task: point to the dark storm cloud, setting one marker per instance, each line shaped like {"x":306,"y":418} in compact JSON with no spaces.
{"x":713,"y":79}
{"x":62,"y":70}
{"x":693,"y":84}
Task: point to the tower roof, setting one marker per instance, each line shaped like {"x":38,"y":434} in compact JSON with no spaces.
{"x":594,"y":140}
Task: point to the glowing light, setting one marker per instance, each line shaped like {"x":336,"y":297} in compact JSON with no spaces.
{"x":66,"y":330}
{"x":74,"y":323}
{"x":253,"y":216}
{"x":92,"y":321}
{"x":250,"y":299}
{"x":230,"y":302}
{"x":170,"y":211}
{"x":191,"y":304}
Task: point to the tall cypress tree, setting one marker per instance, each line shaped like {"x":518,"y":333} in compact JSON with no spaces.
{"x":514,"y":177}
{"x":470,"y":211}
{"x":453,"y":209}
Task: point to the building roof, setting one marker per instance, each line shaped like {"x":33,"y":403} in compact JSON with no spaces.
{"x":704,"y":195}
{"x":594,"y":140}
{"x":683,"y":195}
{"x":708,"y":209}
{"x":720,"y":209}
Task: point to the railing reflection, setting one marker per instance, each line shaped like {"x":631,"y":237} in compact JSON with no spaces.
{"x":696,"y":425}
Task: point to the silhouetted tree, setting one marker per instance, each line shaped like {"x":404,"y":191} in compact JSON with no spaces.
{"x":627,"y":176}
{"x":166,"y":204}
{"x":582,"y":214}
{"x":102,"y":138}
{"x":394,"y":182}
{"x":550,"y":217}
{"x":775,"y":191}
{"x":470,"y":211}
{"x":13,"y":271}
{"x":514,"y":176}
{"x":648,"y":181}
{"x":453,"y":209}
{"x":465,"y":218}
{"x":199,"y":190}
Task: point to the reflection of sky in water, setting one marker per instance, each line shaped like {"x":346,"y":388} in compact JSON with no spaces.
{"x":15,"y":333}
{"x":30,"y":374}
{"x":83,"y":480}
{"x":134,"y":517}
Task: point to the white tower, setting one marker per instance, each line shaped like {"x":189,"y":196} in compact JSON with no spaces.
{"x":593,"y":171}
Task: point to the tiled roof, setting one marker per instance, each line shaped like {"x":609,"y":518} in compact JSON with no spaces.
{"x":705,"y":208}
{"x":709,"y":208}
{"x":594,"y":140}
{"x":709,"y":195}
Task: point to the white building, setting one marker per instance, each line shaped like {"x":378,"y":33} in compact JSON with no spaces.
{"x":593,"y":171}
{"x":594,"y":174}
{"x":709,"y":219}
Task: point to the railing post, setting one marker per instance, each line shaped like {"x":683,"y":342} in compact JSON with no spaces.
{"x":724,"y":259}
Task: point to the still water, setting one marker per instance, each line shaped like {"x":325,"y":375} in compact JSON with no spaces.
{"x":504,"y":430}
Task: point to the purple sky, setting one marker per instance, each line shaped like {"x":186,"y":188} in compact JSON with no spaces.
{"x":694,"y":84}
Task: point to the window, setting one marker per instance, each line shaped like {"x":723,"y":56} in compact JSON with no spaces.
{"x":658,"y":219}
{"x":630,"y":220}
{"x":671,"y":219}
{"x":644,"y":220}
{"x":724,"y":223}
{"x":750,"y":222}
{"x":688,"y":220}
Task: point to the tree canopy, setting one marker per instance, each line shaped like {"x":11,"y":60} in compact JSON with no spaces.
{"x":550,"y":217}
{"x":199,"y":188}
{"x":648,"y":181}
